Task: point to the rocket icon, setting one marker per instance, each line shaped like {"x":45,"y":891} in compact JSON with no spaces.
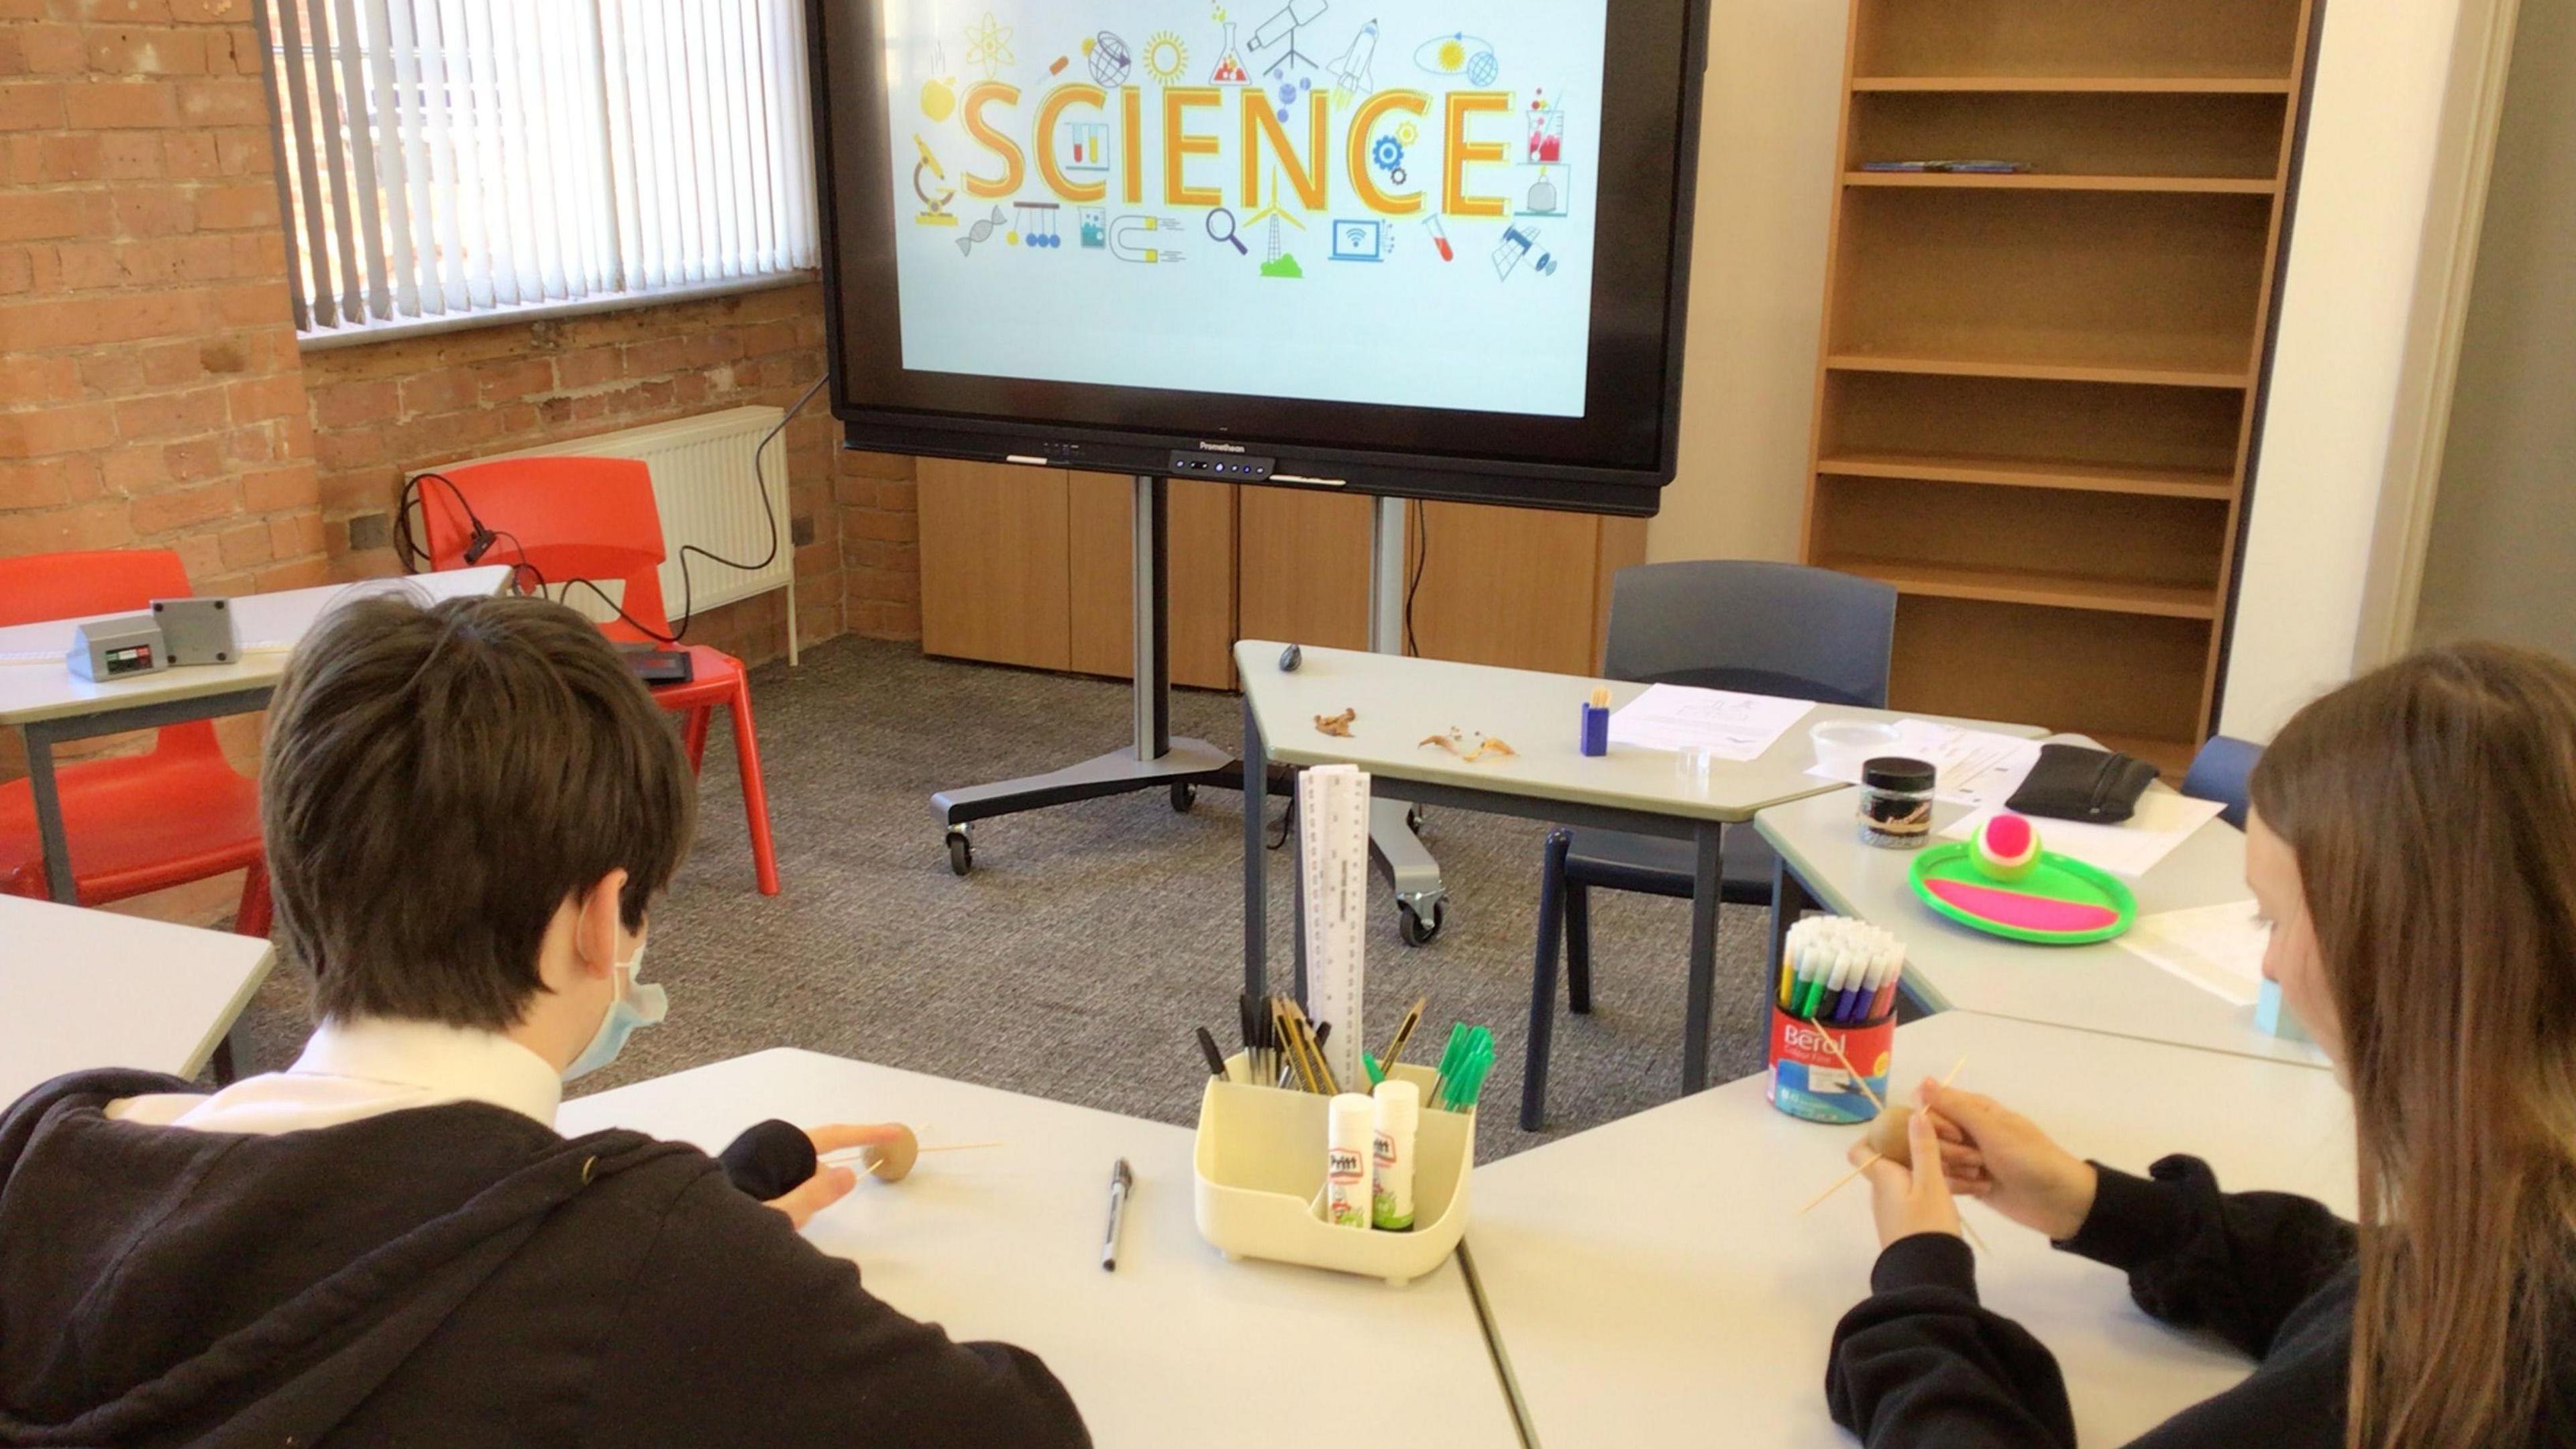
{"x":1351,"y":78}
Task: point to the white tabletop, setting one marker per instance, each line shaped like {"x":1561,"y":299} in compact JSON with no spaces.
{"x":1178,"y":1346}
{"x":266,"y":626}
{"x":1653,"y":1283}
{"x":83,"y":989}
{"x":2103,"y":987}
{"x":1401,"y":700}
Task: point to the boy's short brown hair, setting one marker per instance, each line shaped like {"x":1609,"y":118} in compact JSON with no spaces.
{"x":438,"y":781}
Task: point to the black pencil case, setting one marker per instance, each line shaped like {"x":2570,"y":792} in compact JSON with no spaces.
{"x":2071,"y":782}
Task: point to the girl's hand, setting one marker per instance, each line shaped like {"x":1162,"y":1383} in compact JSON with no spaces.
{"x":2024,"y":1175}
{"x":1907,"y":1201}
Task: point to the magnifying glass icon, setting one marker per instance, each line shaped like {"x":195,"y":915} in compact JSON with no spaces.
{"x":1226,"y":233}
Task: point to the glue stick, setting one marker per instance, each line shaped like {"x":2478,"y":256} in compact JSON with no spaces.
{"x":1349,"y":1142}
{"x":1399,"y":1111}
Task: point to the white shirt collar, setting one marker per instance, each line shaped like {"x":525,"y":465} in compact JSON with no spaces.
{"x":352,"y":1070}
{"x":442,"y":1063}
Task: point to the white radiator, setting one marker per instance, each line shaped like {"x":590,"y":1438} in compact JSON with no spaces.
{"x":708,"y":496}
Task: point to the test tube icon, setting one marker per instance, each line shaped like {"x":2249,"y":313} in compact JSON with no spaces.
{"x":1440,"y":238}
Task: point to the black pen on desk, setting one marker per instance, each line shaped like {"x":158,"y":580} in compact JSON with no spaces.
{"x":1215,"y":1058}
{"x":1120,"y":1181}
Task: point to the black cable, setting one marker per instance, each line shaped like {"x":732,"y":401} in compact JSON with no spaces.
{"x":407,"y":547}
{"x":1421,"y":561}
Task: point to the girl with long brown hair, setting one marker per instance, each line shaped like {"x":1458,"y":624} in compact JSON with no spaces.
{"x":2413,"y":841}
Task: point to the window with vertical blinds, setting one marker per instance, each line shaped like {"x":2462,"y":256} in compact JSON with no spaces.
{"x":444,"y":160}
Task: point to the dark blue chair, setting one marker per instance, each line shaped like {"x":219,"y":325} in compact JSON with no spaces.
{"x":2219,"y":772}
{"x":1762,"y":628}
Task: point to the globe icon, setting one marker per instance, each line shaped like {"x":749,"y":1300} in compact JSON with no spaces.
{"x":1109,"y":60}
{"x":1482,"y":68}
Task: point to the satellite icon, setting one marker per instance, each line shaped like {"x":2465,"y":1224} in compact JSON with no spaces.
{"x":1351,"y":74}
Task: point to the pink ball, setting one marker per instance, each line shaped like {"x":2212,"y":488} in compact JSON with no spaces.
{"x":2006,"y":847}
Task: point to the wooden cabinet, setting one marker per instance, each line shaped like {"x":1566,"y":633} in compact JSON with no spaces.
{"x":2038,"y":390}
{"x":1033,"y":567}
{"x":996,"y":580}
{"x":1200,"y":548}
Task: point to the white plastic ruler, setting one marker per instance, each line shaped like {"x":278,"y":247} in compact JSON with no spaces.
{"x":1333,"y":830}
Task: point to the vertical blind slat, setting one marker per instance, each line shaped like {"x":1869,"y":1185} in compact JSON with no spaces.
{"x":438,"y":157}
{"x":332,"y":138}
{"x":389,"y":33}
{"x":365,"y":199}
{"x":315,"y":264}
{"x":283,"y":172}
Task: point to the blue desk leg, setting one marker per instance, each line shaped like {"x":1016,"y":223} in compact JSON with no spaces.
{"x":1703,"y":956}
{"x":1790,"y":899}
{"x":1256,"y":884}
{"x":1542,"y":1020}
{"x":51,"y":842}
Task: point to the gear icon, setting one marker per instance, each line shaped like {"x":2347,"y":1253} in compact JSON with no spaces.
{"x":1388,"y":153}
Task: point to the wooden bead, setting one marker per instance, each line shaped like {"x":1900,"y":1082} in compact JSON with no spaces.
{"x":1887,"y":1135}
{"x":892,"y":1159}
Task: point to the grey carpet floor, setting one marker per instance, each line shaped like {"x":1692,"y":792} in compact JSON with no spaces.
{"x":1090,"y":939}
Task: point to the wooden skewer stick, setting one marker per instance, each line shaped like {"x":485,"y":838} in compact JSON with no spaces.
{"x":1877,"y":1157}
{"x":1843,"y":1181}
{"x":1857,"y":1079}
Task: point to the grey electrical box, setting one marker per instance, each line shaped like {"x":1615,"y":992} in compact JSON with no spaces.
{"x":197,"y":631}
{"x":127,"y":645}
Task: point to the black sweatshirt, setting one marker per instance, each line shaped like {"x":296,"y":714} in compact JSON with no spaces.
{"x":449,"y":1275}
{"x":1920,"y":1363}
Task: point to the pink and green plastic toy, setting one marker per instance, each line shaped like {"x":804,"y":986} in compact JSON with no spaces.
{"x":2001,"y":882}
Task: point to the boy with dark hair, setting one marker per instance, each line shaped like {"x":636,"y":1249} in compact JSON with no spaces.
{"x":469,"y":809}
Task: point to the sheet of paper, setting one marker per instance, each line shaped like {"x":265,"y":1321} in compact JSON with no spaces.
{"x":2216,"y":948}
{"x":1977,"y":767}
{"x":1729,"y":725}
{"x":2163,"y":821}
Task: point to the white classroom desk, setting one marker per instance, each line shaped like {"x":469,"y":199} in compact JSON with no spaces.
{"x":2103,"y":987}
{"x":1652,"y":1283}
{"x":1178,"y":1346}
{"x":40,"y":695}
{"x":81,"y":989}
{"x":1402,"y":700}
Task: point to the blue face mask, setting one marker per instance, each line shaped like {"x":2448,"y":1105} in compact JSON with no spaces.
{"x":636,"y":1005}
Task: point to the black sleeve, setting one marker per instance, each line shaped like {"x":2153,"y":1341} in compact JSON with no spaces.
{"x":770,"y":1159}
{"x":2232,"y":1263}
{"x":738,"y":1331}
{"x":1920,"y":1363}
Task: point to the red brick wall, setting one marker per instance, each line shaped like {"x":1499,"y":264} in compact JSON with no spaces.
{"x":150,"y":393}
{"x":153,"y":394}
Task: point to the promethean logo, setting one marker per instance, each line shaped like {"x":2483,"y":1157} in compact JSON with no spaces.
{"x":1220,"y":448}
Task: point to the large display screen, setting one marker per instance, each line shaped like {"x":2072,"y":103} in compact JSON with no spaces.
{"x":1400,"y":237}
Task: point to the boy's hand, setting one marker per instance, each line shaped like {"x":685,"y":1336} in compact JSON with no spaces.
{"x":2027,"y":1177}
{"x":830,"y":1184}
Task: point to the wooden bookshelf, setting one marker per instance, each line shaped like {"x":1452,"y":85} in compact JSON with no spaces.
{"x":2036,"y":400}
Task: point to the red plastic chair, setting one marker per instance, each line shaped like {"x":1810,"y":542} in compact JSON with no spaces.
{"x":594,"y":518}
{"x":136,"y":823}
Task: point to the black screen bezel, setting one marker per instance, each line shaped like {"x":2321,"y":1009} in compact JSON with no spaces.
{"x":1616,"y":458}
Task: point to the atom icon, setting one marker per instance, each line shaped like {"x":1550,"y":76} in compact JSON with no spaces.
{"x":1165,"y":56}
{"x":988,"y":44}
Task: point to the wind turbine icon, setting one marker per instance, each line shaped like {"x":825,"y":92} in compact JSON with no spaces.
{"x":1275,"y":213}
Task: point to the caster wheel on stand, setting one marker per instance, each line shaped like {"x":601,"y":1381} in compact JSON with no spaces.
{"x":1415,"y":929}
{"x":961,"y":851}
{"x":1184,"y":795}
